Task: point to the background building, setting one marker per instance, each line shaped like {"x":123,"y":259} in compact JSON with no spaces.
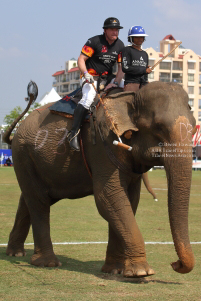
{"x":183,"y":66}
{"x":68,"y":80}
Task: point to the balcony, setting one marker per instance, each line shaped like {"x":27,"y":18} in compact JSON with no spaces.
{"x":64,"y":90}
{"x":191,"y":71}
{"x":191,"y":83}
{"x":164,"y":79}
{"x":177,"y":68}
{"x":177,"y":80}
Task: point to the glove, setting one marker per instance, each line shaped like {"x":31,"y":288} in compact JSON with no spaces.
{"x":89,"y":77}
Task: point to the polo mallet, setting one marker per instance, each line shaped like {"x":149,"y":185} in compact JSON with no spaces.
{"x":165,"y":56}
{"x":119,"y":143}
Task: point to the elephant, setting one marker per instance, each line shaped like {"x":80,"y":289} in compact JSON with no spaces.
{"x":148,"y":186}
{"x":47,"y":170}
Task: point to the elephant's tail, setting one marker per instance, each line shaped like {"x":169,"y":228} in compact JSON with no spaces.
{"x":32,"y":90}
{"x":6,"y":136}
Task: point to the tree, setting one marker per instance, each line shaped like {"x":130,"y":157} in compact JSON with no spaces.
{"x":8,"y":119}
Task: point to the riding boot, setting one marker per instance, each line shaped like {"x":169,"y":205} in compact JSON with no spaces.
{"x":73,"y":137}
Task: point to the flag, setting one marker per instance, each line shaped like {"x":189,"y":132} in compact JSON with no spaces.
{"x":2,"y":158}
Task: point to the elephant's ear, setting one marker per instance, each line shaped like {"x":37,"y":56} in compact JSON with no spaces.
{"x":119,"y":109}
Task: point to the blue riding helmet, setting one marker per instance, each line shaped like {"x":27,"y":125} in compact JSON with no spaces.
{"x":137,"y":31}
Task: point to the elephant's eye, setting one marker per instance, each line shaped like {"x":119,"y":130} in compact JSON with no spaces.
{"x":159,"y":126}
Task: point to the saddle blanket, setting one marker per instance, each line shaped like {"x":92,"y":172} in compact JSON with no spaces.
{"x":66,"y":105}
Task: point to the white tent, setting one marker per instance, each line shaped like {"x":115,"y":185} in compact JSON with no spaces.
{"x":52,"y":96}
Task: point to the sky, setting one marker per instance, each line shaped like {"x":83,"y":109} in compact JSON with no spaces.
{"x":38,"y":37}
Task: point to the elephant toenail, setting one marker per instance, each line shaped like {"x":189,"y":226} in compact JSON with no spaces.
{"x":20,"y":254}
{"x":128,"y":274}
{"x":141,"y":273}
{"x":150,"y":272}
{"x":51,"y":264}
{"x":114,"y":272}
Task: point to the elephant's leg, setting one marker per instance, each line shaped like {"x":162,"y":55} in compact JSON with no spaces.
{"x":38,"y":204}
{"x":20,"y":230}
{"x":115,"y":254}
{"x":43,"y":250}
{"x":148,"y":186}
{"x":126,"y":245}
{"x":114,"y":262}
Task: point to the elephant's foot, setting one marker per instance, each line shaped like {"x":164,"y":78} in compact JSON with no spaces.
{"x":113,"y":268}
{"x":137,"y":270}
{"x":45,"y":261}
{"x":15,"y":251}
{"x":134,"y":270}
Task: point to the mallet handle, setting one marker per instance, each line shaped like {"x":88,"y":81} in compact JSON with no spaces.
{"x":165,"y":56}
{"x":125,"y":146}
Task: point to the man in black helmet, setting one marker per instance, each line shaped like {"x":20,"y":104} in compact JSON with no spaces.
{"x":95,"y":62}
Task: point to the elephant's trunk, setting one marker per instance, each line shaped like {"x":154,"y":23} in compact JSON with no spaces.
{"x":179,"y":172}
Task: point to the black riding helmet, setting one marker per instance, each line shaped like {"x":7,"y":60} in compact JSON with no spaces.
{"x":112,"y":23}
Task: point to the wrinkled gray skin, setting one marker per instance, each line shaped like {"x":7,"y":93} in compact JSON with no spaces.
{"x":47,"y":171}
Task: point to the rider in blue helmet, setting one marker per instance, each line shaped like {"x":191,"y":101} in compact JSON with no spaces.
{"x":135,"y":60}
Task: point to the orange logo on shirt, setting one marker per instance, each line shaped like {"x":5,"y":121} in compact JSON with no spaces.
{"x":87,"y":50}
{"x":119,"y":60}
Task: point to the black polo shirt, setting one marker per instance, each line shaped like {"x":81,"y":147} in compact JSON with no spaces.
{"x":102,"y":55}
{"x":134,"y":65}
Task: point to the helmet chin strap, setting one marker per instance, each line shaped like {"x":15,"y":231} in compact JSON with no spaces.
{"x":133,"y":44}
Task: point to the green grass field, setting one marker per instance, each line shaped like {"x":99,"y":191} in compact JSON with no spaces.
{"x":80,"y":278}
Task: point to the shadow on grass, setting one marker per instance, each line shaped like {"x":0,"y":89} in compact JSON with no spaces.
{"x":75,"y":265}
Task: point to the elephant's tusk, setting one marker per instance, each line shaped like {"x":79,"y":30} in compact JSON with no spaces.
{"x":125,"y":146}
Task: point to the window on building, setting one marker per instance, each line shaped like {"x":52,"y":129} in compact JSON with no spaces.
{"x":200,"y":67}
{"x":177,"y":78}
{"x":65,"y":89}
{"x":199,"y":90}
{"x":191,"y":65}
{"x":165,"y":65}
{"x":199,"y":116}
{"x":199,"y":104}
{"x":77,"y":75}
{"x":200,"y":79}
{"x":164,"y":77}
{"x":177,"y":66}
{"x":190,"y":90}
{"x":191,"y":77}
{"x":151,"y":62}
{"x":151,"y":75}
{"x":191,"y":102}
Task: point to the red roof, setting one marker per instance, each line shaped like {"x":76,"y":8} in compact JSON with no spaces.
{"x":73,"y":69}
{"x":180,"y":56}
{"x":58,"y":73}
{"x":169,"y":37}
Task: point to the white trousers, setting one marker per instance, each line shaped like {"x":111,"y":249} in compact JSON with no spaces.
{"x":88,"y":92}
